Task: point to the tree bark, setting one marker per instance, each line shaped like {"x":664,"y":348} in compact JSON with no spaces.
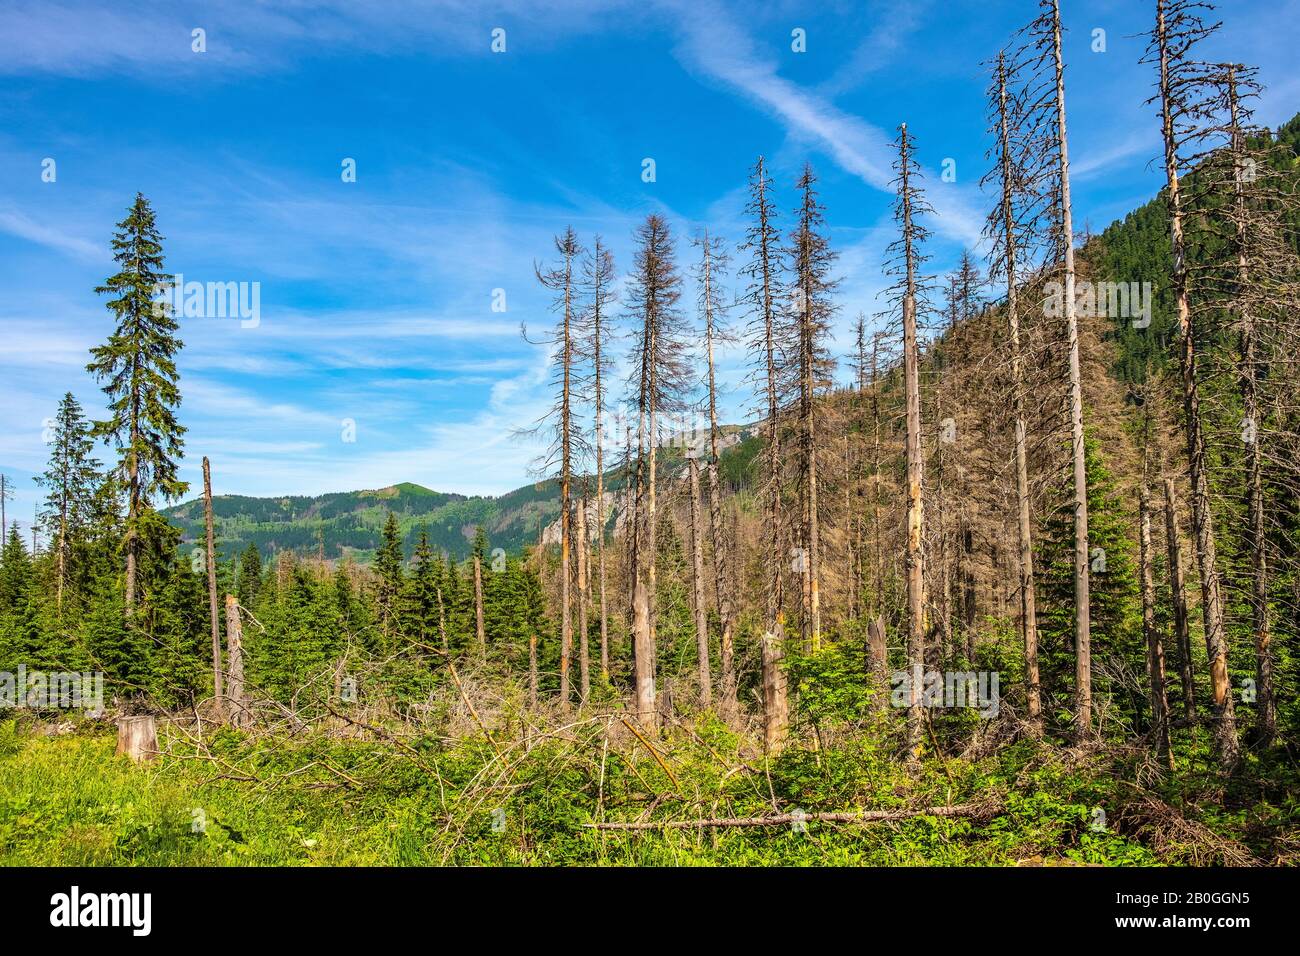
{"x":643,"y":645}
{"x":776,"y":707}
{"x":584,"y":651}
{"x":878,"y":659}
{"x":1082,"y":588}
{"x":915,"y":525}
{"x":236,"y":694}
{"x":1216,"y":642}
{"x":213,"y":613}
{"x":727,"y":686}
{"x":137,"y":738}
{"x":697,"y":584}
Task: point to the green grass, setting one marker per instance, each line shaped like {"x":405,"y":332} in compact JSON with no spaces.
{"x":69,"y":801}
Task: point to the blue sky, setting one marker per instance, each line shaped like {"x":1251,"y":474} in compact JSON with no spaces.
{"x":376,"y":295}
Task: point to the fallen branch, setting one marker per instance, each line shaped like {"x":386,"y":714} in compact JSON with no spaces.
{"x":654,"y":753}
{"x":781,"y":819}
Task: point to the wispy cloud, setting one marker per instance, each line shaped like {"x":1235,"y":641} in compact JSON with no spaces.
{"x":17,"y":224}
{"x":713,"y":45}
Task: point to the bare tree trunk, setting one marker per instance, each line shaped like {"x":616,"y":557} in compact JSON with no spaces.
{"x":643,"y":646}
{"x":776,"y":708}
{"x":1216,"y":643}
{"x":584,"y":651}
{"x":566,"y":499}
{"x":213,"y":613}
{"x":1155,"y":646}
{"x":1082,"y":589}
{"x":812,"y":523}
{"x":969,"y":608}
{"x":944,"y":559}
{"x":1178,"y":598}
{"x":776,"y":602}
{"x":727,"y":687}
{"x":915,"y":525}
{"x":697,"y":583}
{"x":236,"y":697}
{"x":1028,"y":601}
{"x":877,"y":552}
{"x":878,"y":659}
{"x":916,"y":623}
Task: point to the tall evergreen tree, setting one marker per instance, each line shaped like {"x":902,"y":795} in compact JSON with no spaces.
{"x":138,"y":367}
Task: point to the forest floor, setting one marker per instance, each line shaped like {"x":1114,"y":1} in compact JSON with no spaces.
{"x":318,"y":798}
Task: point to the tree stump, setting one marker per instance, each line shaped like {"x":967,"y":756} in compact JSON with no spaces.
{"x":236,"y":694}
{"x":137,"y":737}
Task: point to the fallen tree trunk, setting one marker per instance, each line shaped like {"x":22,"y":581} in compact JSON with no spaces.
{"x":781,"y":819}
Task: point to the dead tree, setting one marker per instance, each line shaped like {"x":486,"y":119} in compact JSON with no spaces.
{"x":764,"y":271}
{"x":1044,"y":122}
{"x":1182,"y":99}
{"x":811,"y":260}
{"x":659,"y":379}
{"x":584,"y":581}
{"x":909,"y":206}
{"x":713,"y":260}
{"x":598,"y":275}
{"x":697,"y":582}
{"x":213,"y":612}
{"x":1008,"y":230}
{"x":236,"y":694}
{"x":566,"y":443}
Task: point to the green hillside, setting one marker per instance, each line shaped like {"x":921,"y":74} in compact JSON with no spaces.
{"x":349,"y":523}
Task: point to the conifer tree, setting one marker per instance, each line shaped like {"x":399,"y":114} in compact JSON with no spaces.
{"x":70,"y":481}
{"x":423,"y":589}
{"x":138,"y":368}
{"x":388,"y":570}
{"x":250,"y":575}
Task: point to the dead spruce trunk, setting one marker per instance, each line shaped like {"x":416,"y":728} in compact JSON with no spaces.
{"x":697,"y":585}
{"x":236,"y":695}
{"x":213,"y":612}
{"x":1216,"y":642}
